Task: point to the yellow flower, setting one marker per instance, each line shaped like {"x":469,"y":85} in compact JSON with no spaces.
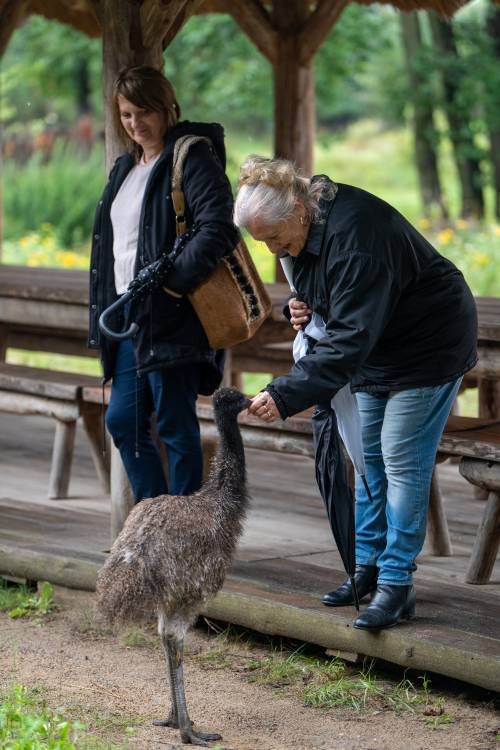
{"x":67,"y":259}
{"x":48,"y":242}
{"x":424,"y":223}
{"x":24,"y":241}
{"x":461,"y":224}
{"x":496,"y":229}
{"x":480,"y":259}
{"x":445,"y":235}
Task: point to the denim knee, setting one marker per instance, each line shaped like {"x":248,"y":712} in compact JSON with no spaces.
{"x":120,"y":422}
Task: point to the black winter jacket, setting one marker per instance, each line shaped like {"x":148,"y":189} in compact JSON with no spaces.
{"x":170,"y":333}
{"x":398,"y":314}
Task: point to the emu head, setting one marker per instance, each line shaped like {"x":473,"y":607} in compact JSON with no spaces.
{"x":228,"y":402}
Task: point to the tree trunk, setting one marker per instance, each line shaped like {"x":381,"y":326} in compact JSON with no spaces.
{"x":424,"y":132}
{"x":493,"y":117}
{"x":464,"y":149}
{"x":122,"y":39}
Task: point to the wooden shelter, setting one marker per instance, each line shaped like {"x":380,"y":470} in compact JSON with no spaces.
{"x":287,"y":32}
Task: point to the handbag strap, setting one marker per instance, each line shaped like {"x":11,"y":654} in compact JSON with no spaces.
{"x":181,"y":148}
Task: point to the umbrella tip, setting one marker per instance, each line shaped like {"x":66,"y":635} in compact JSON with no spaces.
{"x":355,"y":593}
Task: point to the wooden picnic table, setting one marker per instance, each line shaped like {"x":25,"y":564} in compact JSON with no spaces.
{"x":46,"y":309}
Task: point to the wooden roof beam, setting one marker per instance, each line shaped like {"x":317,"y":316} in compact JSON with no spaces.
{"x":318,"y":26}
{"x":12,"y":15}
{"x":188,"y":9}
{"x":80,"y":15}
{"x":253,"y":19}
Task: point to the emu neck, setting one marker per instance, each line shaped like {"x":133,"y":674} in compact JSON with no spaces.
{"x":230,"y":472}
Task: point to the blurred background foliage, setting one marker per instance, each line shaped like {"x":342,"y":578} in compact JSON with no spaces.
{"x":393,"y":93}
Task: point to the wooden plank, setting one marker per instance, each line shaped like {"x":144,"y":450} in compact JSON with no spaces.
{"x":488,"y":309}
{"x":488,"y":365}
{"x":70,"y":342}
{"x":20,"y":403}
{"x":51,"y":314}
{"x":43,"y":382}
{"x":47,"y":284}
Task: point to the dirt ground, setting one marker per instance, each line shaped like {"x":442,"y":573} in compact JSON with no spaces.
{"x":101,"y":679}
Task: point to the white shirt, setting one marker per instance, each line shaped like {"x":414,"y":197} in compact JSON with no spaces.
{"x":125,"y":217}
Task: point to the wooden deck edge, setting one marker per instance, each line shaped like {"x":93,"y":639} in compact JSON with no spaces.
{"x":272,"y":617}
{"x":37,"y":566}
{"x":394,"y":645}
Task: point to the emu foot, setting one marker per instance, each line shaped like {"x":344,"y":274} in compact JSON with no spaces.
{"x":191,"y":737}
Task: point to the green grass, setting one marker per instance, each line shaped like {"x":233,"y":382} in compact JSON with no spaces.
{"x":329,"y":684}
{"x":19,"y":601}
{"x":27,"y":722}
{"x":325,"y":684}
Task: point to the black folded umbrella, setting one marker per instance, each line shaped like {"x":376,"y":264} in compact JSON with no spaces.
{"x":147,"y":280}
{"x":333,"y":483}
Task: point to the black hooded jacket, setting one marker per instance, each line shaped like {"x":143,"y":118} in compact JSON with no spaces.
{"x":170,"y":333}
{"x":398,"y":314}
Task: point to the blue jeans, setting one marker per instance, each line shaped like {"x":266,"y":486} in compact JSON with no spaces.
{"x":401,"y":435}
{"x":171,"y":393}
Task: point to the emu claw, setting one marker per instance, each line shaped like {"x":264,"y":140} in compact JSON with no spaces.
{"x":199,"y":738}
{"x":170,"y":722}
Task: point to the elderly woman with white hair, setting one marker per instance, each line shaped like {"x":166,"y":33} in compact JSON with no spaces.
{"x":401,"y":328}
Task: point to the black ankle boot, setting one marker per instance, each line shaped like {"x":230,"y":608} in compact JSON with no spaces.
{"x":389,"y":605}
{"x":366,"y":581}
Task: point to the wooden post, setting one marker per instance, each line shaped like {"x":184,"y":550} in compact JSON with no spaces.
{"x":123,"y":45}
{"x":122,"y":500}
{"x":62,"y":457}
{"x":437,"y":529}
{"x":294,"y":104}
{"x":294,"y":98}
{"x":484,"y":553}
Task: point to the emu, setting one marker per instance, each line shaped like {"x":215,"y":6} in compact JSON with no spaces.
{"x":173,"y":552}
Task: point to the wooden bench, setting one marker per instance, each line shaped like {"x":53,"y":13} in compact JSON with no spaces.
{"x":477,"y":442}
{"x":32,"y":390}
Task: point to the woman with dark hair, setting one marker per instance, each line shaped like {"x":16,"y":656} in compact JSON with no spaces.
{"x":169,"y":361}
{"x":399,"y":325}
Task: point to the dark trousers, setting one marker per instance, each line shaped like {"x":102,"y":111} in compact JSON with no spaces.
{"x":171,"y":394}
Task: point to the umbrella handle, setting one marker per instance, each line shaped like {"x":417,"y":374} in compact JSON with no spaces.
{"x":117,"y":335}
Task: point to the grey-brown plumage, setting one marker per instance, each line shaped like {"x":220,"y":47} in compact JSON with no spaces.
{"x":174,"y":551}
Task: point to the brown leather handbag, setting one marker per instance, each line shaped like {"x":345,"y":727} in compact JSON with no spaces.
{"x":231,"y":302}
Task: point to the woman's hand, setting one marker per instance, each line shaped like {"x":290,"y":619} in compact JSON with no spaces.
{"x":263,"y":406}
{"x":300,"y":313}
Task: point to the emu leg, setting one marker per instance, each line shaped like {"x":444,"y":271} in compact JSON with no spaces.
{"x":175,"y":648}
{"x":172,"y":719}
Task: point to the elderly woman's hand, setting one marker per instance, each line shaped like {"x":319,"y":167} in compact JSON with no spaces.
{"x":300,"y":313}
{"x":263,"y":406}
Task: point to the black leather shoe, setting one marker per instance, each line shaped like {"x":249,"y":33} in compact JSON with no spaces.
{"x":366,"y":582}
{"x":389,"y":605}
